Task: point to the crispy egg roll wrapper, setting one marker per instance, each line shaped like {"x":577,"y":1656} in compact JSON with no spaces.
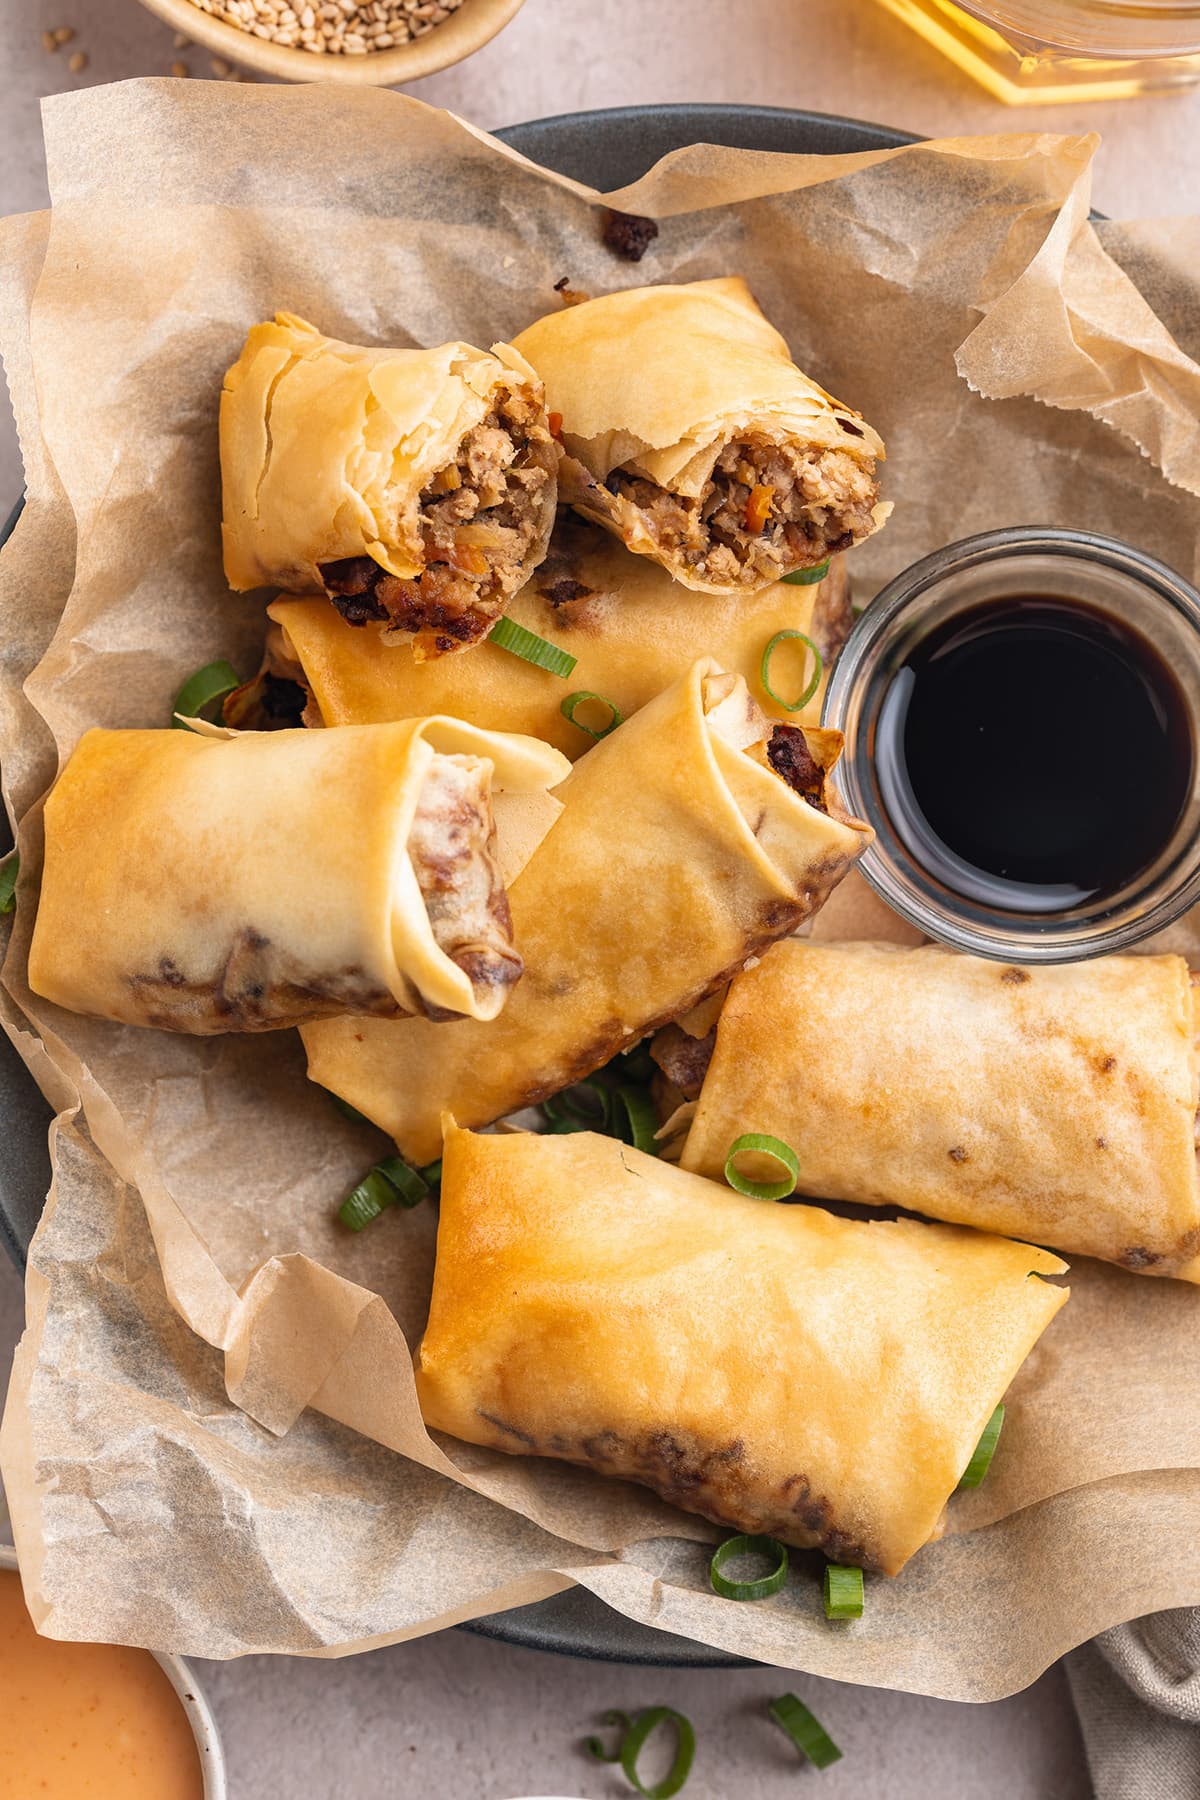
{"x":1057,"y":1104}
{"x":773,"y":1368}
{"x":210,"y":883}
{"x":332,"y":456}
{"x":632,"y":629}
{"x":652,"y":384}
{"x":676,"y":857}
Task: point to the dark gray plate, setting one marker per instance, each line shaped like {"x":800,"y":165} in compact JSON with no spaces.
{"x":607,"y":150}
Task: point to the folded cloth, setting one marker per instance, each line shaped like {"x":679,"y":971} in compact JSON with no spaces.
{"x":1137,"y":1692}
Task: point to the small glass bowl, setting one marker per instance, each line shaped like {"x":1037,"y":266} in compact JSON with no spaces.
{"x":1108,"y":575}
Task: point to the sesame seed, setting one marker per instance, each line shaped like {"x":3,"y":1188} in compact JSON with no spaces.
{"x":64,"y":34}
{"x":181,"y":69}
{"x":78,"y":63}
{"x":333,"y":27}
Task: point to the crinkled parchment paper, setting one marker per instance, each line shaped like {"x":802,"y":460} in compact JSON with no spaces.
{"x":211,"y":1443}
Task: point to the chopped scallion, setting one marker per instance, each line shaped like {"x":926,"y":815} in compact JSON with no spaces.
{"x":763,"y":1585}
{"x":843,"y":1592}
{"x":204,"y":688}
{"x":763,"y":1145}
{"x":985,"y":1449}
{"x":584,"y":1106}
{"x":642,"y":1119}
{"x":349,"y":1112}
{"x":580,"y":698}
{"x":807,"y":577}
{"x":9,"y":871}
{"x":635,"y":1732}
{"x":814,"y":682}
{"x":431,"y":1174}
{"x":373,"y":1195}
{"x":805,"y":1730}
{"x":410,"y":1187}
{"x":506,"y":634}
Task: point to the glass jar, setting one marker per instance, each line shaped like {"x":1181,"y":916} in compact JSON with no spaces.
{"x":1035,"y":52}
{"x":1107,"y":577}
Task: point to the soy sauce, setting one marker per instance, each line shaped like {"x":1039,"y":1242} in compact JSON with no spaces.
{"x":1034,"y":754}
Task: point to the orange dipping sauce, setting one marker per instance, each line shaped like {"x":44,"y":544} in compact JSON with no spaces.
{"x":87,"y":1721}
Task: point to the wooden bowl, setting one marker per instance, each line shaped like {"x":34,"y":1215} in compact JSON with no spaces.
{"x":468,"y":29}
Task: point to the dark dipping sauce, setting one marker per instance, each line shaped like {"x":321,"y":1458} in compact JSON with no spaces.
{"x":1034,"y":754}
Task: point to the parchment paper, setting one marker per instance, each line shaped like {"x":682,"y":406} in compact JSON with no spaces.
{"x":211,"y":1443}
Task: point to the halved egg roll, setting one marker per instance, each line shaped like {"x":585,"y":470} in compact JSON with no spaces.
{"x":690,"y":839}
{"x":413,"y":487}
{"x":1052,"y":1103}
{"x":632,"y":630}
{"x":693,"y":436}
{"x":773,"y":1368}
{"x":206,"y":883}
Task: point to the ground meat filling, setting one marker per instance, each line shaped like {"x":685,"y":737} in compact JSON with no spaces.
{"x":792,"y":760}
{"x":768,"y":509}
{"x":474,"y":524}
{"x":450,"y":844}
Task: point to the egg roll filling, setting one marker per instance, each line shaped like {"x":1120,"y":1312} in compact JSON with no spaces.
{"x":451,"y":846}
{"x":472,"y":527}
{"x":767,"y":509}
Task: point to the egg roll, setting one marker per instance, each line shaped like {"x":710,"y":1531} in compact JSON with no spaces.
{"x":1052,"y":1103}
{"x":209,"y":883}
{"x":692,"y":435}
{"x":690,"y":839}
{"x":632,"y":630}
{"x":773,"y":1368}
{"x":412,"y":487}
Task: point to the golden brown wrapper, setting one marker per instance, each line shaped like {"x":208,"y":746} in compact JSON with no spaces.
{"x":677,"y":857}
{"x":210,"y":883}
{"x":655,"y":381}
{"x":632,"y":629}
{"x":773,"y":1368}
{"x":326,"y":448}
{"x":1054,"y":1103}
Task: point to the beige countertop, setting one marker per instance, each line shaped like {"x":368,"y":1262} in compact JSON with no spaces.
{"x":456,"y":1716}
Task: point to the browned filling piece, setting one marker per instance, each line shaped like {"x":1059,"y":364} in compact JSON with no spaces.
{"x":476,"y":523}
{"x":450,"y":843}
{"x":792,"y":760}
{"x":767,"y":509}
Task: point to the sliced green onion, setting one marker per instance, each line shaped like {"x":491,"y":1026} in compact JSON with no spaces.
{"x":531,"y":648}
{"x":805,"y":1730}
{"x":431,"y":1174}
{"x":580,"y":698}
{"x":985,"y":1449}
{"x":584,"y":1106}
{"x":373,"y":1195}
{"x":843,"y":1592}
{"x":8,"y":883}
{"x":595,"y":1748}
{"x":643,"y":1121}
{"x":807,"y":577}
{"x":775,"y":1553}
{"x":766,"y":1146}
{"x":764,"y":672}
{"x":685,"y":1750}
{"x":410,"y":1187}
{"x":349,"y":1112}
{"x":204,"y":688}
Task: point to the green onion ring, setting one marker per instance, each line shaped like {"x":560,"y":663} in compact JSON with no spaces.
{"x":764,"y":672}
{"x":577,"y":699}
{"x":431,"y":1174}
{"x":9,"y":871}
{"x":643,"y":1121}
{"x":985,"y":1449}
{"x":769,"y":1146}
{"x":566,"y":1108}
{"x":204,"y":688}
{"x":805,"y":1730}
{"x":685,"y":1751}
{"x":373,"y":1195}
{"x":506,"y":634}
{"x":595,"y":1748}
{"x":410,"y":1187}
{"x":843,"y":1592}
{"x":765,"y":1585}
{"x":807,"y":577}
